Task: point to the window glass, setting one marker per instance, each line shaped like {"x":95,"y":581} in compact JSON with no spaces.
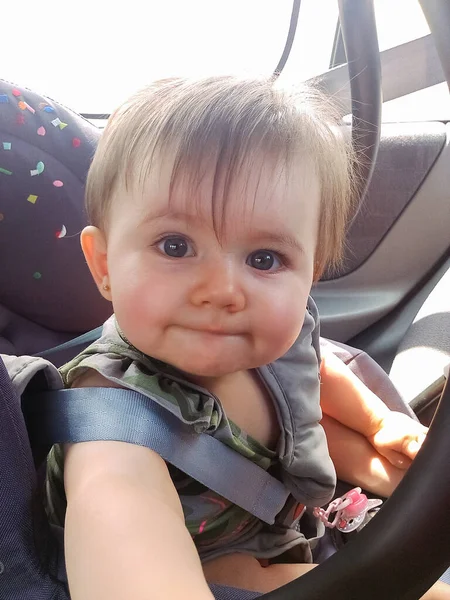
{"x":91,"y":54}
{"x":429,"y":104}
{"x":399,"y":21}
{"x":313,"y":43}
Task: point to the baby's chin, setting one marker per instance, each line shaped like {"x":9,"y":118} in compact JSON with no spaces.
{"x":213,"y":367}
{"x":206,"y":359}
{"x":211,"y":357}
{"x":210,"y":370}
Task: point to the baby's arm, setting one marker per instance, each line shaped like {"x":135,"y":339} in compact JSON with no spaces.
{"x":357,"y":462}
{"x":125,"y":534}
{"x":370,"y":445}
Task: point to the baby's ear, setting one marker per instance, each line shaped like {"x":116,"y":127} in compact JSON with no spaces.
{"x":93,"y":243}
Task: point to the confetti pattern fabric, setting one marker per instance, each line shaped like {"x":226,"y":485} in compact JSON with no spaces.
{"x":45,"y":153}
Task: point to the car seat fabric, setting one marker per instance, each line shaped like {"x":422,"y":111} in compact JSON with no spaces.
{"x":46,"y":293}
{"x":31,"y":554}
{"x":28,"y":553}
{"x":229,"y":593}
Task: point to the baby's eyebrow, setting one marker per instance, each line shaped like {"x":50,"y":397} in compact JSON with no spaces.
{"x":169,"y":214}
{"x":278,"y":238}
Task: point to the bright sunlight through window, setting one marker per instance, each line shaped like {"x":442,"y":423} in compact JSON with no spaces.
{"x":91,"y":54}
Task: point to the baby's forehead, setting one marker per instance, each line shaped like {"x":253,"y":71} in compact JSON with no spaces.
{"x":260,"y":190}
{"x":230,"y":217}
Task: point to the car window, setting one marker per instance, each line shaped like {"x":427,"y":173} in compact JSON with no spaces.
{"x":92,"y":54}
{"x":398,"y":22}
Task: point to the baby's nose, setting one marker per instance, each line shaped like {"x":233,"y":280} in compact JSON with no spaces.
{"x":219,"y":285}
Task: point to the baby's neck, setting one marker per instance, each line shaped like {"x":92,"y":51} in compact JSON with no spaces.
{"x":246,"y":402}
{"x":210,"y":383}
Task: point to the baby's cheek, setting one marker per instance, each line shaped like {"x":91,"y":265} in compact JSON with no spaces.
{"x":281,"y":329}
{"x":138,"y":314}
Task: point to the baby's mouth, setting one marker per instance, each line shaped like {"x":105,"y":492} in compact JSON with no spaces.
{"x":213,"y":329}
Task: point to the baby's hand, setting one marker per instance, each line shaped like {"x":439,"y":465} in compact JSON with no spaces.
{"x":398,"y":438}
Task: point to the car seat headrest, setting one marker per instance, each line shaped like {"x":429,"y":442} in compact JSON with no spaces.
{"x":45,"y":153}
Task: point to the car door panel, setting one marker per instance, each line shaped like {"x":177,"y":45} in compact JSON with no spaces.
{"x":404,"y":242}
{"x":406,"y":154}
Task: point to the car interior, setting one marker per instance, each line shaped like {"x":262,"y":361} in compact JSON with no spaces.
{"x":391,"y":298}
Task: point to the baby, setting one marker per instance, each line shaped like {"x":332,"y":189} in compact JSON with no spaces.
{"x":214,"y":205}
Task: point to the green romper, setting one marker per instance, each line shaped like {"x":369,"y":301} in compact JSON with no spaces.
{"x":301,"y":459}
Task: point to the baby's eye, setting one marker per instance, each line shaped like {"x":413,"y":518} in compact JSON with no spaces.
{"x":176,"y":247}
{"x":264,"y":260}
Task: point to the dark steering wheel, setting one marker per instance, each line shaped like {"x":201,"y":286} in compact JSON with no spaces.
{"x":405,"y":548}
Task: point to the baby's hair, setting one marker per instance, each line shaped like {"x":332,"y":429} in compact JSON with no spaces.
{"x":221,"y":125}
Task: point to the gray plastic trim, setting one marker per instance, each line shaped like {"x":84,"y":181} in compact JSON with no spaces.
{"x":407,"y":153}
{"x":381,"y":341}
{"x":405,"y":69}
{"x":424,"y":351}
{"x":413,"y":245}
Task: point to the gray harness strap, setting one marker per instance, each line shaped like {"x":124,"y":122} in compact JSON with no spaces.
{"x":91,"y":414}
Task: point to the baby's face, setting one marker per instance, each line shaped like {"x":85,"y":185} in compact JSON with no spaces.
{"x":214,"y":303}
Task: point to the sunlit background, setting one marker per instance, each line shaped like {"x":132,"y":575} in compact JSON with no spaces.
{"x":91,"y":54}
